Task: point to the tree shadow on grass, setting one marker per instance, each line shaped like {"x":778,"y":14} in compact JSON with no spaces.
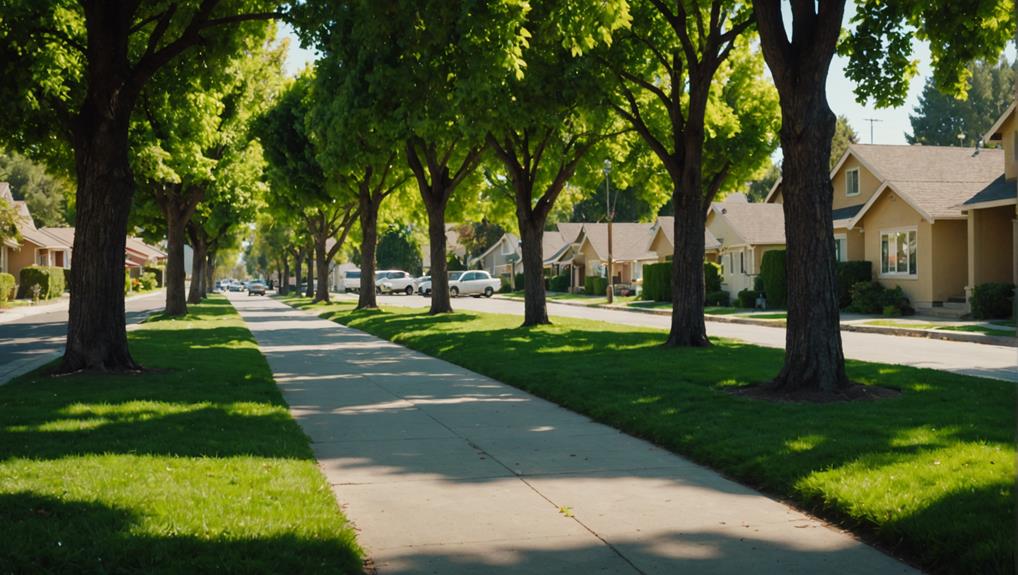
{"x":48,"y":535}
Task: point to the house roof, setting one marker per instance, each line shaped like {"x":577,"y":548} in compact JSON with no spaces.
{"x":667,"y":226}
{"x":933,"y":180}
{"x":756,"y":223}
{"x":629,"y":240}
{"x":996,"y":193}
{"x":140,"y":247}
{"x":506,"y":237}
{"x":64,"y":235}
{"x":993,"y":134}
{"x":41,"y":239}
{"x":843,"y":216}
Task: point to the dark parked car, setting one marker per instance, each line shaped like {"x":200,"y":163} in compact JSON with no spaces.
{"x":255,"y":288}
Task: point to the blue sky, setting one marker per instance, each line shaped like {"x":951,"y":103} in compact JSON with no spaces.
{"x":890,"y":129}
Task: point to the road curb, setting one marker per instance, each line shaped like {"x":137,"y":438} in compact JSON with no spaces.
{"x":997,"y":340}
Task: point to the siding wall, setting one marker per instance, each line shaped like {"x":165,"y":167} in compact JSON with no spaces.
{"x":891,"y":212}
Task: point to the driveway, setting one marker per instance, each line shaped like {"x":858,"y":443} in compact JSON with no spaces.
{"x":998,"y":362}
{"x":446,"y":471}
{"x":31,"y":341}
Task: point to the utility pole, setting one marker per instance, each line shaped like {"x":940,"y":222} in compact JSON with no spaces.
{"x":872,"y":121}
{"x":608,"y":209}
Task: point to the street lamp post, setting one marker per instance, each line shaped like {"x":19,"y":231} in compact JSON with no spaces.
{"x":608,"y":209}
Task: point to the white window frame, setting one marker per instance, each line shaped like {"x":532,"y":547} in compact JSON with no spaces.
{"x":841,"y":247}
{"x":848,"y":188}
{"x":894,"y":232}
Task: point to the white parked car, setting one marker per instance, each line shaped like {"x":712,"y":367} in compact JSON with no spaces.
{"x":424,"y":283}
{"x":394,"y":281}
{"x":474,"y":283}
{"x":349,"y":281}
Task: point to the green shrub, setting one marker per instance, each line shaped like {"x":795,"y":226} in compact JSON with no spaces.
{"x":758,"y":286}
{"x":506,"y":286}
{"x":127,"y":281}
{"x":519,"y":282}
{"x":6,"y":288}
{"x":849,"y":274}
{"x":871,"y":297}
{"x":775,"y":282}
{"x":992,"y":301}
{"x":657,"y":281}
{"x":559,"y":283}
{"x":67,"y":279}
{"x":160,"y":274}
{"x":717,"y":298}
{"x":148,"y":281}
{"x":595,"y":285}
{"x":747,"y":298}
{"x":49,"y":279}
{"x":711,"y":277}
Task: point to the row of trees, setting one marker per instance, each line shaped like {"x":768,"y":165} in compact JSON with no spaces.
{"x":456,"y":105}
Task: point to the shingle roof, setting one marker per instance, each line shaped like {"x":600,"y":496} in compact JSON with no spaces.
{"x":141,"y":247}
{"x":629,"y":240}
{"x":667,"y":225}
{"x":65,"y":235}
{"x":999,"y":189}
{"x":41,"y":238}
{"x":756,"y":223}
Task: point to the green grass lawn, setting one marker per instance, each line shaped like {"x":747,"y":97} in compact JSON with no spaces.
{"x":929,"y":474}
{"x":772,"y":315}
{"x":193,"y":467}
{"x":576,"y":297}
{"x":981,"y":329}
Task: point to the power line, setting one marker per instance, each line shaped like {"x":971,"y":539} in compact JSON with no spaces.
{"x":872,"y":121}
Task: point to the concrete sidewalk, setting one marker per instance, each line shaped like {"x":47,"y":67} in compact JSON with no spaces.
{"x":446,"y":471}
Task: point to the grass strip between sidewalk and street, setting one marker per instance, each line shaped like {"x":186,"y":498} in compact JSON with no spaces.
{"x":928,"y":474}
{"x":194,"y":466}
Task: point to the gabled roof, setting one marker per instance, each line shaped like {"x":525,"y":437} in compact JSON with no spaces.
{"x":558,"y":242}
{"x":629,"y":240}
{"x":506,"y":237}
{"x":933,"y":180}
{"x":666,"y":226}
{"x":41,"y":239}
{"x":64,"y":235}
{"x":843,"y":216}
{"x":999,"y":192}
{"x":140,"y":247}
{"x":756,"y":223}
{"x":993,"y":134}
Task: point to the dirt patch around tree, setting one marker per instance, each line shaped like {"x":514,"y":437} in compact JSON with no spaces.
{"x":854,"y":392}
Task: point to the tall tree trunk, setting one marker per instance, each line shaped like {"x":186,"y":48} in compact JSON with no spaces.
{"x":814,"y":360}
{"x":535,"y":308}
{"x":297,"y":269}
{"x":322,"y":267}
{"x":440,"y":299}
{"x":198,"y":266}
{"x":208,"y":278}
{"x":97,"y":329}
{"x":174,"y":280}
{"x":310,"y":290}
{"x":284,"y":280}
{"x":369,"y":244}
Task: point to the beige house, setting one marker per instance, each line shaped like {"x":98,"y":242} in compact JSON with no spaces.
{"x":587,"y":254}
{"x":662,"y":241}
{"x":37,"y":246}
{"x":503,"y":257}
{"x":900,"y":208}
{"x":744,"y":232}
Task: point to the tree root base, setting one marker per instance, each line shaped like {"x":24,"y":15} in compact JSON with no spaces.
{"x":853,"y":392}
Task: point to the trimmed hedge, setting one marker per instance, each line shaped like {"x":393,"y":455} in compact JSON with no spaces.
{"x":49,"y":279}
{"x":6,"y":288}
{"x":992,"y":301}
{"x":747,"y":298}
{"x":871,"y":297}
{"x":718,"y":298}
{"x":595,"y":285}
{"x":849,"y":274}
{"x":160,"y":273}
{"x":67,"y":279}
{"x":775,"y":282}
{"x":559,"y":283}
{"x":519,"y":282}
{"x":657,"y":281}
{"x":711,"y":277}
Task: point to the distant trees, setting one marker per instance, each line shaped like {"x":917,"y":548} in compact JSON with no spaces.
{"x":50,"y":196}
{"x":397,"y":249}
{"x":940,"y":118}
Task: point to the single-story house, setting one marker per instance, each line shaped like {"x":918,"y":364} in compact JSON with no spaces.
{"x":903,"y":209}
{"x":587,"y":254}
{"x":37,"y":246}
{"x":744,"y":231}
{"x":662,"y":241}
{"x":503,"y":257}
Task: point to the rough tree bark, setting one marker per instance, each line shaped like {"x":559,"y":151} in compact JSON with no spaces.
{"x":814,"y":360}
{"x":199,"y":246}
{"x":436,"y":184}
{"x":369,"y":197}
{"x":698,"y":60}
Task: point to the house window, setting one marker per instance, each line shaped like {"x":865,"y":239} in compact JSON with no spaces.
{"x":41,"y":258}
{"x":898,"y":255}
{"x":742,"y":261}
{"x":852,"y":182}
{"x":841,"y":248}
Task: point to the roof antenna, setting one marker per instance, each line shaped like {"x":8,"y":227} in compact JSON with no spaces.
{"x":872,"y":121}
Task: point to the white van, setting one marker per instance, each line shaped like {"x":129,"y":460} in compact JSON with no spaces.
{"x":349,"y":281}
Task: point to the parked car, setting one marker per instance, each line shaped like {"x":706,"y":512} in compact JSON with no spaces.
{"x":474,"y":283}
{"x":236,"y":286}
{"x":394,"y":281}
{"x":218,"y":287}
{"x":255,"y":288}
{"x":424,"y":285}
{"x":349,"y":281}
